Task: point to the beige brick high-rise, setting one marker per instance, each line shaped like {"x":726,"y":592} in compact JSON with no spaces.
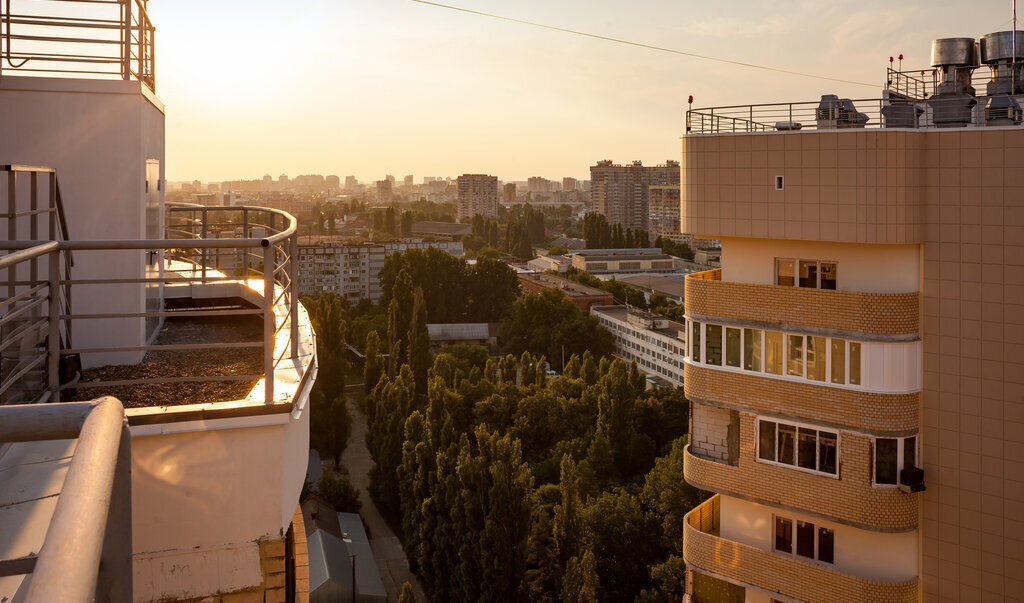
{"x":868,"y":319}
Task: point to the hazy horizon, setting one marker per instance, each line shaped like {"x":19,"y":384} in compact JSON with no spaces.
{"x":397,"y":87}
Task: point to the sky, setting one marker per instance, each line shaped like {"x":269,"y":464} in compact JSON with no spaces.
{"x":375,"y":87}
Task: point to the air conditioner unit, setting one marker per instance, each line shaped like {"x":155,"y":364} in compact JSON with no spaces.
{"x":912,"y":480}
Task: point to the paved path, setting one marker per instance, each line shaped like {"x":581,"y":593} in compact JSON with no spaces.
{"x":387,"y":550}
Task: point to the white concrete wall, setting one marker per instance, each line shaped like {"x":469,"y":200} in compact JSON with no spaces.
{"x":710,"y":432}
{"x":861,"y":267}
{"x":98,"y":135}
{"x":871,"y":555}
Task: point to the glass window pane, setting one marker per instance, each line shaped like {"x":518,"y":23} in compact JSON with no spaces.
{"x":808,"y":449}
{"x":805,"y":539}
{"x":827,"y":451}
{"x":910,"y":452}
{"x":766,"y":441}
{"x":838,"y":361}
{"x":829,"y":275}
{"x":783,"y":535}
{"x":885,"y":460}
{"x":787,"y":435}
{"x":713,"y":354}
{"x":773,"y":352}
{"x":732,"y":347}
{"x":752,"y":349}
{"x":695,"y":341}
{"x":826,"y":545}
{"x":795,"y":362}
{"x":784,"y":272}
{"x":809,"y":274}
{"x":854,"y":363}
{"x":816,"y":358}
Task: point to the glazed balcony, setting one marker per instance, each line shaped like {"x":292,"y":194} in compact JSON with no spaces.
{"x":879,"y":316}
{"x":706,"y":552}
{"x":851,"y":499}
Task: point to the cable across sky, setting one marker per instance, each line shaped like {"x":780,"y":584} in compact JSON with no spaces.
{"x":642,"y":45}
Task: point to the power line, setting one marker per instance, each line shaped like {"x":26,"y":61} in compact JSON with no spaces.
{"x":642,"y":45}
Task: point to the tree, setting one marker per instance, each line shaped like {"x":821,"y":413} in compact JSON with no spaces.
{"x":407,"y":221}
{"x":373,"y":365}
{"x":407,"y":595}
{"x":389,"y":221}
{"x":549,"y":324}
{"x":558,"y":250}
{"x":329,"y":420}
{"x":419,"y":343}
{"x":338,"y":491}
{"x":581,"y":580}
{"x":400,"y":319}
{"x":493,"y":289}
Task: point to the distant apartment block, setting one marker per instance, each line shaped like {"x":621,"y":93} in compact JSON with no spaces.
{"x":569,"y":185}
{"x":477,"y":194}
{"x":328,"y":264}
{"x":509,"y":191}
{"x":656,"y":343}
{"x":350,"y":183}
{"x":384,"y":188}
{"x":585,"y":297}
{"x":625,"y":261}
{"x":408,"y":181}
{"x":622,"y":193}
{"x":663,"y":210}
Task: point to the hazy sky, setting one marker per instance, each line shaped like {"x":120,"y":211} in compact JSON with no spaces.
{"x":369,"y":87}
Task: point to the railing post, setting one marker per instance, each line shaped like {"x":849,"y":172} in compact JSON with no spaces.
{"x":293,"y":291}
{"x":126,"y":37}
{"x":203,"y":237}
{"x":12,"y":225}
{"x":53,"y":328}
{"x":269,"y":321}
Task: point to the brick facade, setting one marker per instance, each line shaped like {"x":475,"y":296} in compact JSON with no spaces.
{"x":704,"y":551}
{"x":878,"y":413}
{"x":850,"y":311}
{"x":851,"y":499}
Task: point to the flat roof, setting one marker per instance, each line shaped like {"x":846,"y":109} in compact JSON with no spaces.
{"x":623,"y":257}
{"x":569,"y":287}
{"x":446,"y":228}
{"x":662,"y":284}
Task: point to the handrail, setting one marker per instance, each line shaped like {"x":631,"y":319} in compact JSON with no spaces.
{"x":87,"y":551}
{"x":124,"y":24}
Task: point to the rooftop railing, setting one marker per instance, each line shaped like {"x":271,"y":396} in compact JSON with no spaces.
{"x":93,"y":38}
{"x":210,"y":252}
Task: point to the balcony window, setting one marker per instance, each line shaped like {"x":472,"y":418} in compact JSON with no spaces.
{"x":811,"y":542}
{"x":785,"y":273}
{"x":801,"y":447}
{"x":838,"y":360}
{"x":732,"y":347}
{"x":714,"y":344}
{"x":773,"y":352}
{"x":752,"y":349}
{"x":892,"y":455}
{"x":854,"y":363}
{"x":795,"y":356}
{"x":695,"y":341}
{"x":817,"y":358}
{"x":808,"y":274}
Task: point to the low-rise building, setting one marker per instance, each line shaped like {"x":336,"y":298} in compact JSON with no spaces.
{"x":583,"y":296}
{"x":628,"y":261}
{"x":543,"y":263}
{"x":656,"y":343}
{"x":453,"y":248}
{"x":442,"y":229}
{"x":467,"y":333}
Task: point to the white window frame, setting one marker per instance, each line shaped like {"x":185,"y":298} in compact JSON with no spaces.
{"x":793,"y":554}
{"x":901,"y":447}
{"x":796,"y":447}
{"x":796,"y":271}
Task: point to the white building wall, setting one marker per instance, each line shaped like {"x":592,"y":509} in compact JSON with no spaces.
{"x":710,"y":432}
{"x":880,"y":556}
{"x":876,"y":268}
{"x":98,"y":134}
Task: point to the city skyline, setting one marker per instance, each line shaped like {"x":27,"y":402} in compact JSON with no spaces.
{"x":365,"y":88}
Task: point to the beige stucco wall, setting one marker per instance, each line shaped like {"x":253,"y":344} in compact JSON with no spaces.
{"x":878,"y":268}
{"x":871,"y":555}
{"x":98,"y":135}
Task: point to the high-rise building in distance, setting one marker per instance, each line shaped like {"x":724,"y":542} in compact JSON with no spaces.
{"x":477,"y":194}
{"x":384,"y":191}
{"x":408,"y":180}
{"x":350,"y":183}
{"x":621,"y":193}
{"x":663,"y":211}
{"x":510,"y":193}
{"x":568,"y":185}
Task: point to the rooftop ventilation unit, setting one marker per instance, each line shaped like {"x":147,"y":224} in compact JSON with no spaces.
{"x":954,"y":99}
{"x":997,"y":52}
{"x":835,"y":112}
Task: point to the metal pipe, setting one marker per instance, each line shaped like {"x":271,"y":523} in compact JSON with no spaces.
{"x":69,"y":560}
{"x":268,"y":324}
{"x":293,"y":298}
{"x":53,"y":330}
{"x":115,"y":576}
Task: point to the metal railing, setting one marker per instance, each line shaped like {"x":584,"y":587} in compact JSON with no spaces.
{"x":87,"y":551}
{"x":773,"y":117}
{"x":102,"y":38}
{"x":265,"y":264}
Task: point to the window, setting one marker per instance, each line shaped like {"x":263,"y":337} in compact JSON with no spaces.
{"x":795,"y":356}
{"x":714,"y":345}
{"x":732,"y":347}
{"x":816,"y":358}
{"x":838,"y":361}
{"x":892,"y":455}
{"x":784,"y":273}
{"x":752,"y":349}
{"x":773,"y":352}
{"x":811,"y":274}
{"x":854,"y":363}
{"x":780,"y":183}
{"x":798,"y":446}
{"x":810,"y":542}
{"x":695,"y":341}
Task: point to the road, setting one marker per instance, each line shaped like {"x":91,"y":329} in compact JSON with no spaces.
{"x":387,"y":549}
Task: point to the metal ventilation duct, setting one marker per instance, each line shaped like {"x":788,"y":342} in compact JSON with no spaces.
{"x":998,"y":53}
{"x":953,"y":101}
